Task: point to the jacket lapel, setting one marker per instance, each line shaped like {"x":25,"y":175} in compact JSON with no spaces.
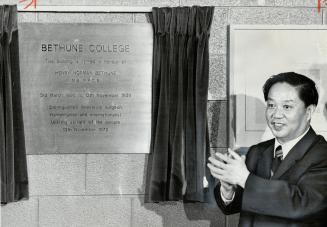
{"x":296,"y":153}
{"x":265,"y":161}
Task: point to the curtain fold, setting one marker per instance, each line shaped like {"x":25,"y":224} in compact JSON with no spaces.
{"x":14,"y":181}
{"x":179,"y":140}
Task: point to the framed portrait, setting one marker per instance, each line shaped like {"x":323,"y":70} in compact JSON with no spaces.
{"x":258,"y":52}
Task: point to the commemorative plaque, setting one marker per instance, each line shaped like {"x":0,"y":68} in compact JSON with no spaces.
{"x":86,"y":87}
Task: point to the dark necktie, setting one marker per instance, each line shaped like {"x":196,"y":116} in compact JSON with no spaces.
{"x":277,"y":159}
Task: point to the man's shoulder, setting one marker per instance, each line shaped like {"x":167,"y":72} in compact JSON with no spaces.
{"x":264,"y":144}
{"x":320,"y":146}
{"x":259,"y":148}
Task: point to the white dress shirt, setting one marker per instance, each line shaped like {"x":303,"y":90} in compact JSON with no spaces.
{"x":286,"y":147}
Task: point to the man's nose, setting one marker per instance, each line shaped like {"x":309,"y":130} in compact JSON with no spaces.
{"x":278,"y":113}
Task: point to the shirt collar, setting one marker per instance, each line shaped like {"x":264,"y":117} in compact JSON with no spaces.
{"x":286,"y":147}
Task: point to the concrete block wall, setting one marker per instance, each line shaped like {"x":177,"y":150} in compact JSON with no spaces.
{"x":108,"y":189}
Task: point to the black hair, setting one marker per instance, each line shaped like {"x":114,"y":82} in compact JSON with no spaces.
{"x":306,"y":87}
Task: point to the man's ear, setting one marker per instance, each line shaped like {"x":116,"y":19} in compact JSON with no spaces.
{"x":310,"y":110}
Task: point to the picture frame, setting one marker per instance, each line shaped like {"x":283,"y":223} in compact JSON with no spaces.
{"x":257,"y":52}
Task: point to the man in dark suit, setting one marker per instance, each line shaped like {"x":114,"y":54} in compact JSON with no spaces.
{"x":283,"y":181}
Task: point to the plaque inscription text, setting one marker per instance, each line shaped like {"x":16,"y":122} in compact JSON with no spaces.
{"x":86,"y":87}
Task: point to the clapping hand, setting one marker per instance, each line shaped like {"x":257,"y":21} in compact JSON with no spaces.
{"x":229,"y":169}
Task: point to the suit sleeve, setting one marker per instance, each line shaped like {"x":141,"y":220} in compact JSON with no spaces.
{"x":280,"y":198}
{"x":236,"y":205}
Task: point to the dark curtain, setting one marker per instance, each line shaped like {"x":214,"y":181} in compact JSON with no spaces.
{"x":179,"y":142}
{"x":14,"y":184}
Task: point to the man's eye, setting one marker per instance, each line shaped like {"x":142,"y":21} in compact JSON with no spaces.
{"x":287,"y":107}
{"x":271,"y":105}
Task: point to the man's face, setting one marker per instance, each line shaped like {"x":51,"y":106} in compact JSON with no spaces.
{"x":286,"y":114}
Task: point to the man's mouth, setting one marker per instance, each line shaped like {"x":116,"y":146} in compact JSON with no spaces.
{"x":277,"y":125}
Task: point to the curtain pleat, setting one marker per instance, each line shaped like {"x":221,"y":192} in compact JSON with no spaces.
{"x":14,"y":182}
{"x":179,"y":141}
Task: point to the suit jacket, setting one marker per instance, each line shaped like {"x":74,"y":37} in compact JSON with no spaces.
{"x":296,"y":195}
